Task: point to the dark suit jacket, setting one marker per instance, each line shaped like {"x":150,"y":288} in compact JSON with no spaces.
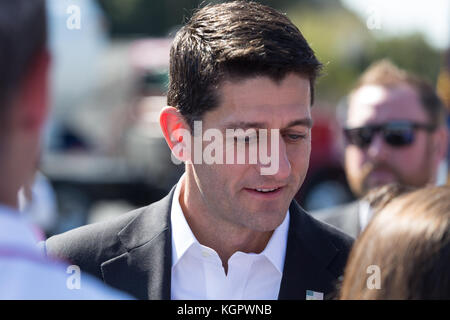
{"x":133,"y":252}
{"x":344,"y":217}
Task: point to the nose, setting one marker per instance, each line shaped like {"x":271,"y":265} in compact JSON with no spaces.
{"x":377,"y":150}
{"x":284,"y":170}
{"x":280,"y":166}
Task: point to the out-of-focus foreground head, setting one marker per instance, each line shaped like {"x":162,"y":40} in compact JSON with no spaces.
{"x":23,"y":91}
{"x":395,"y":130}
{"x":406,"y":245}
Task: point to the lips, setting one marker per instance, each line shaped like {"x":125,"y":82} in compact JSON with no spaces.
{"x":380,"y":177}
{"x":266,"y":192}
{"x":266,"y":189}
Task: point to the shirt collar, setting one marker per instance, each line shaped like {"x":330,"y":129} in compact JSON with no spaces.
{"x":183,"y":238}
{"x":365,"y":214}
{"x":275,"y":250}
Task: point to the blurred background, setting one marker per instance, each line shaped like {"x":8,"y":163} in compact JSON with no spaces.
{"x":103,"y":151}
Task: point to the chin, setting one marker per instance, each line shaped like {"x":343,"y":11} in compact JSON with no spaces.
{"x":270,"y":221}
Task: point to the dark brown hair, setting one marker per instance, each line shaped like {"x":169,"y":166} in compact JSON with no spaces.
{"x":409,"y":240}
{"x":23,"y":35}
{"x":386,"y":74}
{"x":233,"y":40}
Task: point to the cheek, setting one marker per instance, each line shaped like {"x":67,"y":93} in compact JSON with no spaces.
{"x":411,"y":160}
{"x":221,"y":176}
{"x":412,"y":156}
{"x":299,"y":158}
{"x":354,"y":159}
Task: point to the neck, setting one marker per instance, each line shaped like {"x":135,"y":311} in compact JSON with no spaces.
{"x":8,"y":189}
{"x":210,"y":230}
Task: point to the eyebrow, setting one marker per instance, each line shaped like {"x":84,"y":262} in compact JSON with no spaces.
{"x":306,"y":122}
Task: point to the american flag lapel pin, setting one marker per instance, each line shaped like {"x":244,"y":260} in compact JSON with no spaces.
{"x":314,"y":295}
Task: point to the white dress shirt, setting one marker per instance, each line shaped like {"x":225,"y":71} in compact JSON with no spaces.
{"x":26,"y":274}
{"x":365,"y":214}
{"x":197,"y":271}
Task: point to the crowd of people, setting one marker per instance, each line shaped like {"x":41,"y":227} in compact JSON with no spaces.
{"x":227,"y":231}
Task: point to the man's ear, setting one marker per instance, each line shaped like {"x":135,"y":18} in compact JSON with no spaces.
{"x":32,"y":97}
{"x":440,"y":143}
{"x":176,"y":132}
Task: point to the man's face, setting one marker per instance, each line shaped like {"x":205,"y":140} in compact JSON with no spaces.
{"x":380,"y":163}
{"x":228,"y":191}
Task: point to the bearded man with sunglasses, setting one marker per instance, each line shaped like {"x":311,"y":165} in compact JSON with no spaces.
{"x":394,"y":131}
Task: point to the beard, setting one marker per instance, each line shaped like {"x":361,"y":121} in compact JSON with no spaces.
{"x":376,"y":174}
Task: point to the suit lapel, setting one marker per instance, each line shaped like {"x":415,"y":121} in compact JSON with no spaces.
{"x":307,"y":258}
{"x":144,"y":269}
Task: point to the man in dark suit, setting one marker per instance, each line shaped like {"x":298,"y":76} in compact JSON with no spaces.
{"x":243,"y":74}
{"x":394,"y":127}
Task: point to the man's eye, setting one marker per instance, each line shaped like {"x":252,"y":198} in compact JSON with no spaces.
{"x":295,"y":137}
{"x":246,"y":139}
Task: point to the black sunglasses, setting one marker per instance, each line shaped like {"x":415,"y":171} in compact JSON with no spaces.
{"x":395,"y":133}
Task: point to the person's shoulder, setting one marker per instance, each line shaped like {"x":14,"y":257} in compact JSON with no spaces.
{"x":316,"y":231}
{"x":334,"y":234}
{"x":337,"y":236}
{"x":327,"y":244}
{"x":90,"y":244}
{"x":92,"y":232}
{"x":50,"y":280}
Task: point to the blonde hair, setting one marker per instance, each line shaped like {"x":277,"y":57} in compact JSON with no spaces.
{"x":409,"y":240}
{"x":386,"y":74}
